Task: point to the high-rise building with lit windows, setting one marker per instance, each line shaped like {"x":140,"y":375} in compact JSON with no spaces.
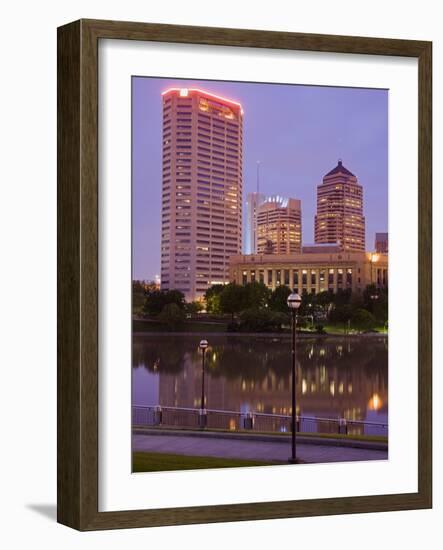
{"x":279,"y":226}
{"x":202,"y":189}
{"x":339,"y":216}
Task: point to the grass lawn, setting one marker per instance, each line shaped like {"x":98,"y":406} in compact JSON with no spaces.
{"x":340,"y":329}
{"x":160,"y":462}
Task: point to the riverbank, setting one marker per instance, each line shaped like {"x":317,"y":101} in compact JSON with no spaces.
{"x":140,"y":326}
{"x":263,"y":335}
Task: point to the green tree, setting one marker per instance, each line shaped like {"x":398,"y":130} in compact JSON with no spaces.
{"x":370,"y":295}
{"x":262,"y":320}
{"x":172,"y":316}
{"x":212,"y":299}
{"x":375,"y":300}
{"x":380,"y":307}
{"x":278,"y":299}
{"x":324,"y":299}
{"x":341,"y":313}
{"x":343,"y":296}
{"x":307,"y":303}
{"x":257,"y":295}
{"x":233,"y":299}
{"x":194,"y":307}
{"x":138,"y":296}
{"x":157,"y":299}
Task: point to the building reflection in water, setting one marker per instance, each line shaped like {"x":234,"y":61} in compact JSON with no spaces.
{"x":336,"y":378}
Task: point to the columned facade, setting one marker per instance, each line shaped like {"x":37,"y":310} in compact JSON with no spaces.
{"x":312,"y":273}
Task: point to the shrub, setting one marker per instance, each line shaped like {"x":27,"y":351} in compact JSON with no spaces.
{"x":261,"y":320}
{"x":362,"y":319}
{"x":172,"y":316}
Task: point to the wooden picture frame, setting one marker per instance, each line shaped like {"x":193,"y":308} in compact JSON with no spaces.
{"x":78,"y":274}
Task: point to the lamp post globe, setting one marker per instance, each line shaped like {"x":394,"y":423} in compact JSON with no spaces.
{"x":294,"y":302}
{"x":203,"y":344}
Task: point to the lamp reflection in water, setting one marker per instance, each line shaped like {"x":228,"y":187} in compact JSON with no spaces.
{"x":293,"y":302}
{"x":203,"y":415}
{"x":375,"y":403}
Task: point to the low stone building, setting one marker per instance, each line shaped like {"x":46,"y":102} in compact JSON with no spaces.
{"x":312,"y":271}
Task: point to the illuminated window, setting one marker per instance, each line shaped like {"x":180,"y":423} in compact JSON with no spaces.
{"x":349,"y":277}
{"x":340,"y":276}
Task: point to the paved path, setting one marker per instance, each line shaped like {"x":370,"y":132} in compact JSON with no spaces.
{"x":249,"y":449}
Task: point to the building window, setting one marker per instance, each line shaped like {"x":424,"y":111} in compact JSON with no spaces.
{"x":278,"y":277}
{"x":313,"y":277}
{"x":261,"y":276}
{"x":339,"y":276}
{"x":304,"y":277}
{"x":295,"y":278}
{"x":244,"y":277}
{"x":286,"y":277}
{"x":269,"y":277}
{"x":331,"y":277}
{"x":252,"y":276}
{"x":349,"y":277}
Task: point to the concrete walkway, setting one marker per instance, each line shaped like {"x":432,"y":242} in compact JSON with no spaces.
{"x":253,"y":449}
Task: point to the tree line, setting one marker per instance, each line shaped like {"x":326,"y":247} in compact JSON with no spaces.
{"x":255,"y":307}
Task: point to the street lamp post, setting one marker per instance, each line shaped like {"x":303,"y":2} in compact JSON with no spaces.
{"x":202,"y":418}
{"x":294,"y":302}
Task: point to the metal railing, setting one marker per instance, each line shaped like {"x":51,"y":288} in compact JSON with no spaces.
{"x":181,"y":417}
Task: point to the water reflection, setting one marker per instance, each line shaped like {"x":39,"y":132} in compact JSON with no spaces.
{"x":337,"y":377}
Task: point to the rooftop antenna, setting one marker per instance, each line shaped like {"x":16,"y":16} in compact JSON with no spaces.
{"x":258,"y":177}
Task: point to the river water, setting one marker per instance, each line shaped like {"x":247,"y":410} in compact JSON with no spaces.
{"x":336,"y":377}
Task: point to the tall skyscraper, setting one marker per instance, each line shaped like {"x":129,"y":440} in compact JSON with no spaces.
{"x":381,"y":243}
{"x":253,"y":202}
{"x":279,"y":226}
{"x":202,"y":189}
{"x":339,"y":216}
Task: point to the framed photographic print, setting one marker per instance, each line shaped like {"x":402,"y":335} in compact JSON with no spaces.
{"x":244,"y":275}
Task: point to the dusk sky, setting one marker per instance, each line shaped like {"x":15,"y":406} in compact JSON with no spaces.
{"x":296,"y":132}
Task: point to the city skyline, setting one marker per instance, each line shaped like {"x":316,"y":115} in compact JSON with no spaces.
{"x":295,"y":152}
